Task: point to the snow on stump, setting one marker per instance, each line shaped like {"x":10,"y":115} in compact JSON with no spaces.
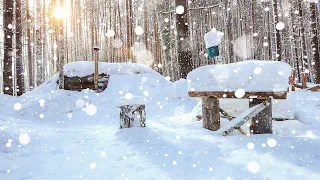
{"x":132,"y":112}
{"x":259,"y":81}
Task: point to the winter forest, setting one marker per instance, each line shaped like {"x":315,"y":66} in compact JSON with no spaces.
{"x":162,"y":89}
{"x":39,"y":35}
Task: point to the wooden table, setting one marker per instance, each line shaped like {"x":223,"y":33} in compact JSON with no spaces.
{"x":260,"y":123}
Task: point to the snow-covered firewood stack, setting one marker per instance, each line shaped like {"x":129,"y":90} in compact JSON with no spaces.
{"x":132,"y":112}
{"x":80,"y":75}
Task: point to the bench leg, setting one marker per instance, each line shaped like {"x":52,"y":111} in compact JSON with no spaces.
{"x":262,"y":122}
{"x":210,"y":113}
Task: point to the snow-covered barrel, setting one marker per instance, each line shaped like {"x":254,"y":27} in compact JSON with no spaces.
{"x":213,"y":40}
{"x":132,"y":111}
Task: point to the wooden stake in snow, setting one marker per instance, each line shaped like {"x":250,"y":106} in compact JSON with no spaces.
{"x":210,"y":113}
{"x":304,"y":80}
{"x":255,"y":111}
{"x":132,"y":116}
{"x":96,"y":65}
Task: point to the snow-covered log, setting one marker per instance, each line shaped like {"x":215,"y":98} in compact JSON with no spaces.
{"x":246,"y":116}
{"x":132,"y":116}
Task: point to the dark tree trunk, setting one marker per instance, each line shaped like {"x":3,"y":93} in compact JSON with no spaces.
{"x":8,"y":50}
{"x":128,"y":24}
{"x":61,"y":50}
{"x":315,"y":41}
{"x":183,"y":45}
{"x":38,"y":47}
{"x":30,"y":60}
{"x":278,"y":36}
{"x":303,"y":38}
{"x":19,"y":61}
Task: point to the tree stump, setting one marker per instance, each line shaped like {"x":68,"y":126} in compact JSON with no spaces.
{"x":262,"y":122}
{"x":132,"y":116}
{"x":210,"y":113}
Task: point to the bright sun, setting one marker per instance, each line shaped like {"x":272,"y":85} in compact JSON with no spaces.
{"x":60,"y":12}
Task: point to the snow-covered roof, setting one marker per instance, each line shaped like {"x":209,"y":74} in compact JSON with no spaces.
{"x":85,"y":68}
{"x":250,"y":76}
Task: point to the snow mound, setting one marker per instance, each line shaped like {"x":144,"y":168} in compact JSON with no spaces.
{"x":144,"y":85}
{"x":48,"y":87}
{"x":213,"y":38}
{"x":176,"y":90}
{"x":85,"y":68}
{"x":250,"y":76}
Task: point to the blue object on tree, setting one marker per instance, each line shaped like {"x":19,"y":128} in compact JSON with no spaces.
{"x":213,"y":51}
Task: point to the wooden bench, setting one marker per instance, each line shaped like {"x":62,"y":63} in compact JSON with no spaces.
{"x":260,"y":111}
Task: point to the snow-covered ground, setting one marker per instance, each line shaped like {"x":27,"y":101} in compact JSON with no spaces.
{"x":55,"y":134}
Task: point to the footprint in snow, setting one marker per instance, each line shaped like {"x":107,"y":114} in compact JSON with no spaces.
{"x":57,"y":152}
{"x":130,"y":166}
{"x":139,"y":169}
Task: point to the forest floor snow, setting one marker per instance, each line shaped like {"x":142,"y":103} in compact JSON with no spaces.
{"x":53,"y":134}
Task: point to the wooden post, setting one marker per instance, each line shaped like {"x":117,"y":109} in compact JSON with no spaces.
{"x":262,"y":122}
{"x":96,"y":66}
{"x":132,"y":116}
{"x":210,"y":113}
{"x":292,"y":80}
{"x":304,"y":80}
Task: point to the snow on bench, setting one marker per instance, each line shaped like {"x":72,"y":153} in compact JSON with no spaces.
{"x":258,"y":81}
{"x":242,"y":79}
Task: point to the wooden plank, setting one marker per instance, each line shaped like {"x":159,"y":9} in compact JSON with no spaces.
{"x":298,"y":86}
{"x":315,"y":88}
{"x":226,"y":115}
{"x":230,"y":118}
{"x":199,"y":118}
{"x":248,"y":95}
{"x":210,"y":113}
{"x":292,"y":80}
{"x":244,"y":117}
{"x":262,"y":122}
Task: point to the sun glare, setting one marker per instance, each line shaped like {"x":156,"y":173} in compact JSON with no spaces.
{"x":60,"y":12}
